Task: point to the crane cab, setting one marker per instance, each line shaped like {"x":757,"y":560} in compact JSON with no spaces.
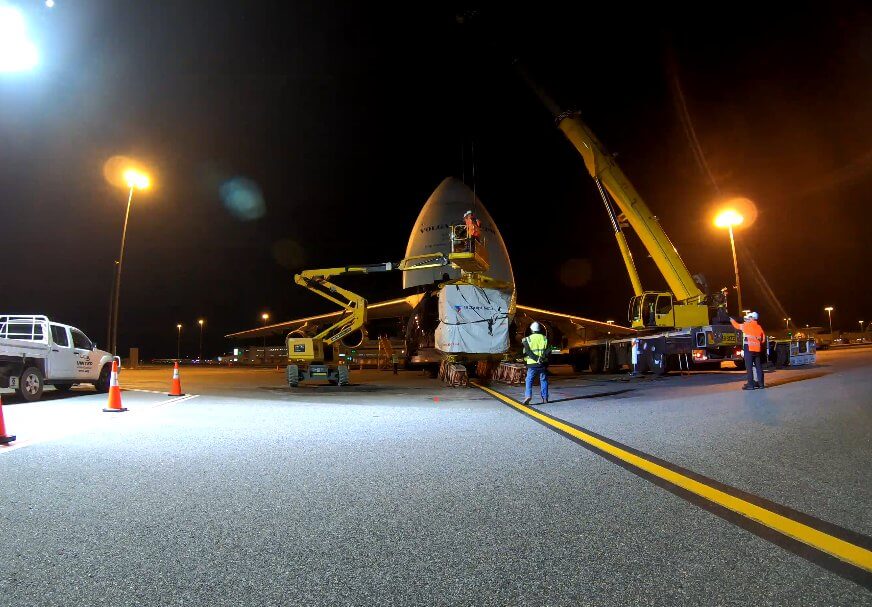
{"x":656,"y":309}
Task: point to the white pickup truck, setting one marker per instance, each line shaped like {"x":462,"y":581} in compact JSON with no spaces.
{"x":35,"y":351}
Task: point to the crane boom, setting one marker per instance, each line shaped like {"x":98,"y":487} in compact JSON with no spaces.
{"x":608,"y":175}
{"x":603,"y":168}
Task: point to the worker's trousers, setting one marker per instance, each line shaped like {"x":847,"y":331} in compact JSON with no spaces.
{"x":754,"y":365}
{"x":542,"y":372}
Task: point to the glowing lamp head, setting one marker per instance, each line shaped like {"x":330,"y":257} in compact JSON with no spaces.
{"x":265,"y":316}
{"x":136,"y":179}
{"x":179,"y":327}
{"x":728,"y":218}
{"x":17,"y":51}
{"x":200,"y":322}
{"x":829,"y":308}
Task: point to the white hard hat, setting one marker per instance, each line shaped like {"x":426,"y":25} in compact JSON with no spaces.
{"x":535,"y":327}
{"x":467,"y":213}
{"x":752,"y":315}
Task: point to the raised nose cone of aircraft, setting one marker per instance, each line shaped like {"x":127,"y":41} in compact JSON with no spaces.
{"x":430,"y":234}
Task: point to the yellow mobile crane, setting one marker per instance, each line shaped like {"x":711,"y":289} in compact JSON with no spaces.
{"x":314,"y":357}
{"x":674,"y":323}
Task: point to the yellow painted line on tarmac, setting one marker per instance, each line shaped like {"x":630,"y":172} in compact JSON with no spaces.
{"x":834,"y":546}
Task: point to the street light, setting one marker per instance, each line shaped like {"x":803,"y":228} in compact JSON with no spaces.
{"x":829,"y":310}
{"x":201,"y":322}
{"x":17,"y":51}
{"x":179,"y":343}
{"x":861,"y":326}
{"x":264,"y":317}
{"x":727,"y":219}
{"x":135,"y":180}
{"x":787,"y":323}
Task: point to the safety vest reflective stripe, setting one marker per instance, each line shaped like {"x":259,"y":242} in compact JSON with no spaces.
{"x":538,"y":344}
{"x":753,"y":333}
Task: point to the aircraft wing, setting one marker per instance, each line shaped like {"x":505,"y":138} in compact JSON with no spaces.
{"x":576,"y":329}
{"x":401,"y":306}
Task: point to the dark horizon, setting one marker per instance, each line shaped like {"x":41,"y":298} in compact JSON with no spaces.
{"x":346,"y":119}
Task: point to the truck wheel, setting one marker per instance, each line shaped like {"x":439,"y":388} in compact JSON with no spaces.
{"x":782,"y":357}
{"x":293,"y":376}
{"x":343,"y":375}
{"x":63,"y":387}
{"x":102,"y":383}
{"x":31,"y":385}
{"x":597,"y":360}
{"x":658,"y":368}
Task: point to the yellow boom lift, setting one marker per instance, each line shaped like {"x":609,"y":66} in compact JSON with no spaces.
{"x":314,"y":357}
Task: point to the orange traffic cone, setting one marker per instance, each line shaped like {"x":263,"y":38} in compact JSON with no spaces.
{"x":177,"y":383}
{"x":114,"y":404}
{"x":4,"y":438}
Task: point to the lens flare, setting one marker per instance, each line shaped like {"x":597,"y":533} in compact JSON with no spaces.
{"x":243,"y":198}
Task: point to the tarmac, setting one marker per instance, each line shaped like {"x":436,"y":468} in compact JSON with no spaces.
{"x":400,"y":491}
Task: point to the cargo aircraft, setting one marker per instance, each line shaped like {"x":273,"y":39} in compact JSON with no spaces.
{"x":409,"y":322}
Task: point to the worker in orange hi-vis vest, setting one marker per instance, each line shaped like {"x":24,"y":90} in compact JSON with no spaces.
{"x":473,"y":225}
{"x":754,"y":340}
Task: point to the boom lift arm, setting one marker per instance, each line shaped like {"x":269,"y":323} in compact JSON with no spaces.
{"x":354,"y":305}
{"x":307,"y":356}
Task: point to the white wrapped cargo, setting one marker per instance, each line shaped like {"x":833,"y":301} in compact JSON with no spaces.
{"x":473,"y":320}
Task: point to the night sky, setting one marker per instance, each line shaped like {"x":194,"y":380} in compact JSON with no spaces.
{"x":344,"y":117}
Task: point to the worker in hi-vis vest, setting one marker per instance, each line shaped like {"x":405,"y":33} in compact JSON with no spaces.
{"x":473,"y":225}
{"x":754,"y":339}
{"x":536,"y":356}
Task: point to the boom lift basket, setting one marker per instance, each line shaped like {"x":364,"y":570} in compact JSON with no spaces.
{"x":468,"y":253}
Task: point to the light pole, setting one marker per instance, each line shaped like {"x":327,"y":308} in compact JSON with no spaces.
{"x":861,"y":326}
{"x":201,"y":322}
{"x":264,"y":317}
{"x":787,"y":323}
{"x":727,"y":219}
{"x":179,"y":343}
{"x":829,"y":310}
{"x":135,"y":180}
